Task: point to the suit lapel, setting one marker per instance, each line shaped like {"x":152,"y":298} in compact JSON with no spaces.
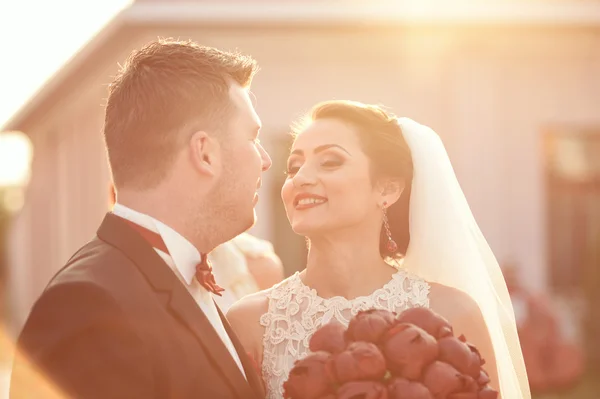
{"x":252,"y":373}
{"x":182,"y":305}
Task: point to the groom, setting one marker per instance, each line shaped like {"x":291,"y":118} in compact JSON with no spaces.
{"x":132,"y":314}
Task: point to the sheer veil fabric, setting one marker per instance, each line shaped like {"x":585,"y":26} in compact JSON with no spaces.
{"x":447,"y":247}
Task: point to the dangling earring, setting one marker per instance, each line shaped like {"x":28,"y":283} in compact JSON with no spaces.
{"x":391,"y":245}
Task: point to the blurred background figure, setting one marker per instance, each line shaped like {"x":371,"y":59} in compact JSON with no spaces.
{"x":243,"y":265}
{"x":554,"y":362}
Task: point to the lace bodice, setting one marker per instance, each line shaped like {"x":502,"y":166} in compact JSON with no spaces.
{"x":295,"y":312}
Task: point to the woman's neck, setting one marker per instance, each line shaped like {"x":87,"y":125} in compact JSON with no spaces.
{"x":345,"y":267}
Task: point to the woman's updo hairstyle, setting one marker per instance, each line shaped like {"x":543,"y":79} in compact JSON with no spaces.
{"x":382,"y":141}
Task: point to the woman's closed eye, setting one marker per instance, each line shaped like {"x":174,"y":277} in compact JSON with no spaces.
{"x":291,"y":170}
{"x":326,"y":164}
{"x":293,"y":166}
{"x":331,"y":163}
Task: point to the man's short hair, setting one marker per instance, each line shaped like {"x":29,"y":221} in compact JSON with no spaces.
{"x":163,"y":93}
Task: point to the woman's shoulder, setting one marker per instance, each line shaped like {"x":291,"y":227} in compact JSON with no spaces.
{"x":452,"y":302}
{"x":245,"y":316}
{"x":253,"y":306}
{"x":247,"y":309}
{"x":443,"y":292}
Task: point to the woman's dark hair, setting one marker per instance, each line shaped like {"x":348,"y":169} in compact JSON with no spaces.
{"x":382,"y":141}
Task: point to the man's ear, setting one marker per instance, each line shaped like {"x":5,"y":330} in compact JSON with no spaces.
{"x":391,"y":190}
{"x":204,"y":153}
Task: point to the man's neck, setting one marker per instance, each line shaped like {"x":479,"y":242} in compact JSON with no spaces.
{"x":199,"y":229}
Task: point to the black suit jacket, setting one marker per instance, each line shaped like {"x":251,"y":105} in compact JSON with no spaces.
{"x":116,"y":322}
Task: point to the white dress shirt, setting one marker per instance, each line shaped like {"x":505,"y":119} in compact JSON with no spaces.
{"x":183,"y":260}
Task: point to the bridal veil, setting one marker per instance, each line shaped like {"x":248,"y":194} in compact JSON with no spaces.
{"x":447,"y":247}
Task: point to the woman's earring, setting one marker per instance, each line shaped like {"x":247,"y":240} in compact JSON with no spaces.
{"x":391,"y":245}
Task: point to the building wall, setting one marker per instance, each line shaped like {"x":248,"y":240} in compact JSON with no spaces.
{"x":66,"y":197}
{"x":489,"y":94}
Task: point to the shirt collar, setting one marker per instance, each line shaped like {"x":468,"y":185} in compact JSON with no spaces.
{"x":185,"y":256}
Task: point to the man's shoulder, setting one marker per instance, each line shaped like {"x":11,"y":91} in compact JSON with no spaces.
{"x":254,"y":306}
{"x":98,"y":280}
{"x":97,"y":263}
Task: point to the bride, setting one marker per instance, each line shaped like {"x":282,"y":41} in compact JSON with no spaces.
{"x":358,"y":178}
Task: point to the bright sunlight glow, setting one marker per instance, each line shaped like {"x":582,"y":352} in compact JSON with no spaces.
{"x":15,"y":158}
{"x":38,"y":37}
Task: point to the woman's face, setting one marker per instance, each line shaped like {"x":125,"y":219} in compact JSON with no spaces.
{"x":329,"y":184}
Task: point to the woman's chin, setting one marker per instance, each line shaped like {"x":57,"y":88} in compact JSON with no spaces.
{"x":307,"y":229}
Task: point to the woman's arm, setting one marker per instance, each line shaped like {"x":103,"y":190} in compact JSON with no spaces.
{"x":466,"y":318}
{"x":244,"y":318}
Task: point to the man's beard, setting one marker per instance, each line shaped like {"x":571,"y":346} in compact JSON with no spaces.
{"x":226,"y":216}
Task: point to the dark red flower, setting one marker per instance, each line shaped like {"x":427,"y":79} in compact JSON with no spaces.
{"x":459,"y":355}
{"x":487,"y":393}
{"x":401,"y":388}
{"x":483,"y":378}
{"x":428,"y":320}
{"x":463,"y":395}
{"x":362,"y":390}
{"x":310,"y":378}
{"x":408,"y":350}
{"x":442,"y":380}
{"x":360,"y":361}
{"x":471,"y":385}
{"x":329,"y":338}
{"x":472,"y":348}
{"x":370,"y":325}
{"x":470,"y":390}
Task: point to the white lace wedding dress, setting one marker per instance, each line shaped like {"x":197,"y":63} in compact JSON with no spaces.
{"x":295,"y":312}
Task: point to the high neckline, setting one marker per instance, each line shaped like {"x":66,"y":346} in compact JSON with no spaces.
{"x":306,"y":289}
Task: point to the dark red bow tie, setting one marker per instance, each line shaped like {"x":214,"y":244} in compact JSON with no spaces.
{"x":203,"y":269}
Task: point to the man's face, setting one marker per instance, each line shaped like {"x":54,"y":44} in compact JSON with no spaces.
{"x":243,"y":161}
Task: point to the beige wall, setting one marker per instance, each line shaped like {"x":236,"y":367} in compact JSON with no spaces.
{"x":488,"y":93}
{"x":67,"y":196}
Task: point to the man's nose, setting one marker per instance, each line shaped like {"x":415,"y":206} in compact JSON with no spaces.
{"x":266,"y":159}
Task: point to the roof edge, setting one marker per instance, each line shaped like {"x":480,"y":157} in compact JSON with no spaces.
{"x":43,"y":94}
{"x":397,"y":11}
{"x":307,"y":14}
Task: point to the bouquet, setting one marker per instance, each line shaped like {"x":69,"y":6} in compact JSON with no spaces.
{"x":381,"y":355}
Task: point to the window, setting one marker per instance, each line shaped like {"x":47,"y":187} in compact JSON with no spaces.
{"x":573,"y":195}
{"x":573,"y":184}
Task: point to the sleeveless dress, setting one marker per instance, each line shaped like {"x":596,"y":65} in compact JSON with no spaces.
{"x":295,"y":312}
